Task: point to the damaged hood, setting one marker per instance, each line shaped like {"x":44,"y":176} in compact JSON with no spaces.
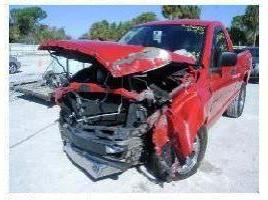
{"x":120,"y":59}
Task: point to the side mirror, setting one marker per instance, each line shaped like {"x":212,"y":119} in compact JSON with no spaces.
{"x":228,"y":59}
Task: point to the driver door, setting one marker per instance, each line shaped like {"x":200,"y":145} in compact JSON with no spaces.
{"x":221,"y":79}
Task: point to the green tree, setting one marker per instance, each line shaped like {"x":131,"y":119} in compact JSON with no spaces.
{"x":144,"y":17}
{"x":238,"y":36}
{"x":25,"y":26}
{"x":181,"y":12}
{"x":100,"y":30}
{"x":244,"y":29}
{"x":27,"y":18}
{"x":113,"y":31}
{"x":14,"y":34}
{"x":103,"y":30}
{"x":238,"y":22}
{"x":123,"y":28}
{"x":251,"y":21}
{"x":47,"y":32}
{"x":237,"y":31}
{"x":85,"y":36}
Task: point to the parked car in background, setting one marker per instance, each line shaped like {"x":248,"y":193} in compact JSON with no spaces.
{"x":14,"y":65}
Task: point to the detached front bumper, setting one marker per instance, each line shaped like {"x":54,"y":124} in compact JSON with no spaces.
{"x":103,"y":151}
{"x":95,"y":166}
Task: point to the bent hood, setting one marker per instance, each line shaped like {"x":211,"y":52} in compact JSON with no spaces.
{"x":120,"y":59}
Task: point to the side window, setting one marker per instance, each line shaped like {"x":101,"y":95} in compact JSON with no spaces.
{"x":219,"y":46}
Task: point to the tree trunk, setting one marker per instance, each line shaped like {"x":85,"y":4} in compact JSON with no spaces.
{"x":255,"y":38}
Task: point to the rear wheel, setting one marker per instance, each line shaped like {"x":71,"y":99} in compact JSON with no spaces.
{"x":170,"y":166}
{"x":236,"y":108}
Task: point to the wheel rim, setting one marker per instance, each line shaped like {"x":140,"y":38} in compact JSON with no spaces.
{"x":175,"y":164}
{"x":190,"y":161}
{"x":12,"y":68}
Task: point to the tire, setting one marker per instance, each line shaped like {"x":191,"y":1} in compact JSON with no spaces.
{"x":63,"y":133}
{"x":164,"y":167}
{"x":13,"y":68}
{"x":236,"y":108}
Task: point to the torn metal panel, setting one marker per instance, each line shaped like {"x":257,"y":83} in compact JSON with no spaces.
{"x":187,"y":118}
{"x":161,"y":134}
{"x":94,"y":88}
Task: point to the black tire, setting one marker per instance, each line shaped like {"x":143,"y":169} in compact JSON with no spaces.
{"x":13,"y":68}
{"x":161,"y":167}
{"x":236,"y":108}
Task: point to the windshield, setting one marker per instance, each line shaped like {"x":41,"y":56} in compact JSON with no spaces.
{"x":182,"y":39}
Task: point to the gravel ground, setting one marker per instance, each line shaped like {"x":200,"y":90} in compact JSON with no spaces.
{"x":38,"y":164}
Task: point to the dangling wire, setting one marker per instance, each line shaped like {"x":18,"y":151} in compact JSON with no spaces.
{"x":57,"y":60}
{"x":51,"y":63}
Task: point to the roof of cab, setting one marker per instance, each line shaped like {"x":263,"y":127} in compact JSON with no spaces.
{"x":195,"y":22}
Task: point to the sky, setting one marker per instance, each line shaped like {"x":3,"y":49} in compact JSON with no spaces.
{"x":76,"y":20}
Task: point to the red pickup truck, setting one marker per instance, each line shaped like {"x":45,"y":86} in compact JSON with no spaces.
{"x":150,"y":97}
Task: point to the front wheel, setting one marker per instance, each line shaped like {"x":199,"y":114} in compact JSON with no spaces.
{"x":170,"y":166}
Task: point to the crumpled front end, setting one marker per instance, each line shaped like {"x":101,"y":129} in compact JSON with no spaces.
{"x":103,"y":151}
{"x":107,"y":117}
{"x":104,"y":138}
